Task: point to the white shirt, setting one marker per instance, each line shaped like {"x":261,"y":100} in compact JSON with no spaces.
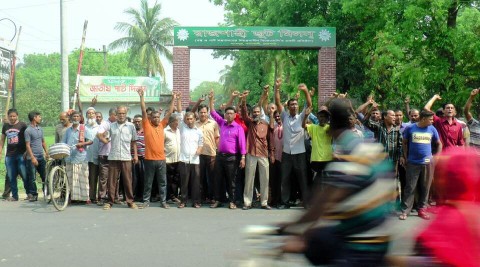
{"x":293,"y":133}
{"x":191,"y":140}
{"x":172,"y":145}
{"x":121,"y":137}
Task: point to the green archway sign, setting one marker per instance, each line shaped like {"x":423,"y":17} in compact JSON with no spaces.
{"x":322,"y":39}
{"x":255,"y":37}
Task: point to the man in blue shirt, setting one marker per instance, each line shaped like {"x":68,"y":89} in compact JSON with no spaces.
{"x":417,"y":148}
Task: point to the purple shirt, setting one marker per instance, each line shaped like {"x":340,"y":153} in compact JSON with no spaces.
{"x":232,"y":136}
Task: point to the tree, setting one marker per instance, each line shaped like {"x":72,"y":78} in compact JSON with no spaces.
{"x":205,"y":87}
{"x":147,"y":37}
{"x":392,"y":49}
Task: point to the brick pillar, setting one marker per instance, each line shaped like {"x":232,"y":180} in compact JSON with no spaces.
{"x":327,"y":71}
{"x":181,"y":73}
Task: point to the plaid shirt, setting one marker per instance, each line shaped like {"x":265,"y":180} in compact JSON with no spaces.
{"x":391,"y":140}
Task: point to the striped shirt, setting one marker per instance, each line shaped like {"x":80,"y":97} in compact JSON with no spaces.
{"x":140,"y":142}
{"x":391,"y":140}
{"x":474,"y":127}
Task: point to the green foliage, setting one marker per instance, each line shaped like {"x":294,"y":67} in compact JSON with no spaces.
{"x":147,"y":37}
{"x":391,"y":49}
{"x":38,"y":79}
{"x":204,"y":88}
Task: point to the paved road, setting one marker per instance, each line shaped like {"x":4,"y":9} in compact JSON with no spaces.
{"x":35,"y":234}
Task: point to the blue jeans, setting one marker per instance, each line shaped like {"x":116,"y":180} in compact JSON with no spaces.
{"x":16,"y":165}
{"x":40,"y":168}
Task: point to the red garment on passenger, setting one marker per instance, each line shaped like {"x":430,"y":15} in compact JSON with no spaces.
{"x":454,"y":236}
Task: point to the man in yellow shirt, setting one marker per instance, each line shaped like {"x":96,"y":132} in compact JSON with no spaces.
{"x":322,"y":152}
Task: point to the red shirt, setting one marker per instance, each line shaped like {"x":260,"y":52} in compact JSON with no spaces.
{"x":451,"y":135}
{"x":241,"y":122}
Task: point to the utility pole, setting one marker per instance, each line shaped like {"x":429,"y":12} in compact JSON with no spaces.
{"x":64,"y":53}
{"x":105,"y":64}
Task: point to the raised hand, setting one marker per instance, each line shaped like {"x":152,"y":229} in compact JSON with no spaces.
{"x":94,"y":100}
{"x":139,"y":91}
{"x":407,"y":100}
{"x":211,"y":95}
{"x":474,"y":92}
{"x":278,"y":83}
{"x":297,"y":96}
{"x":302,"y":87}
{"x":266,"y":88}
{"x":235,"y":93}
{"x":437,"y":96}
{"x":312,"y":91}
{"x":308,"y":111}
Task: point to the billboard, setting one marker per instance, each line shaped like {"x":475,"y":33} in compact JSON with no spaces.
{"x":5,"y":69}
{"x":119,"y":89}
{"x":255,"y":37}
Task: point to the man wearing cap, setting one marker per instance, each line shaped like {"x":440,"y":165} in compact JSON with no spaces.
{"x":91,"y":128}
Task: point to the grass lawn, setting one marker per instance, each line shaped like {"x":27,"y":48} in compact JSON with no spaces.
{"x":49,"y":133}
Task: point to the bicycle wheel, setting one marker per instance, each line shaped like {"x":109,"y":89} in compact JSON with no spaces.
{"x":58,"y":187}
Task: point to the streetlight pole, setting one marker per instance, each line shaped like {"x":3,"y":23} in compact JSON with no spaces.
{"x":64,"y":55}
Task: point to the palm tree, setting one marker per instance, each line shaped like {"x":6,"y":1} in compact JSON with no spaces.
{"x":147,"y":37}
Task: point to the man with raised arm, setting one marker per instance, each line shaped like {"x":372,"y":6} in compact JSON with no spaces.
{"x":258,"y":149}
{"x":211,"y":135}
{"x":231,"y":153}
{"x":294,"y":159}
{"x":155,"y":161}
{"x":449,"y":129}
{"x":472,"y":123}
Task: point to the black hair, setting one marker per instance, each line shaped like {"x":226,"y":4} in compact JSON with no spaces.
{"x":202,"y":106}
{"x":137,"y":116}
{"x":230,"y":108}
{"x":12,"y":110}
{"x":32,"y":115}
{"x":426,"y":114}
{"x":340,"y":112}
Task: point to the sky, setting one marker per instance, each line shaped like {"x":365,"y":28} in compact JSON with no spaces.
{"x":40,"y":21}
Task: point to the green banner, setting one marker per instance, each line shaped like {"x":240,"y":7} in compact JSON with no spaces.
{"x":255,"y":37}
{"x":119,"y":89}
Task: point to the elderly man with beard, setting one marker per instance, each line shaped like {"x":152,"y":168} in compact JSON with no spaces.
{"x":258,"y":149}
{"x":294,"y":158}
{"x":91,"y":127}
{"x":77,"y":168}
{"x":104,"y":147}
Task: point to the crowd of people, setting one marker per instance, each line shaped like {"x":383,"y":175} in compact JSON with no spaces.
{"x":270,"y":155}
{"x":341,"y":163}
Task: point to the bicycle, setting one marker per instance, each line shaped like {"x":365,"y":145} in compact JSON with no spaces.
{"x":57,"y":189}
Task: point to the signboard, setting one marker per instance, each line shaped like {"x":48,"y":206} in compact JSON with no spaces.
{"x":5,"y":69}
{"x":119,"y":89}
{"x":255,"y":37}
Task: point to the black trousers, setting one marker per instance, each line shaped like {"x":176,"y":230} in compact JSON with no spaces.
{"x":275,"y":183}
{"x":138,"y":179}
{"x":226,"y":166}
{"x":295,"y":164}
{"x":173,"y":180}
{"x":207,"y":171}
{"x":190,"y":177}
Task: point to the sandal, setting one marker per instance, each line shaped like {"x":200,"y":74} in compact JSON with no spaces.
{"x":181,"y":205}
{"x":197,"y":206}
{"x":107,"y":206}
{"x":402,"y":216}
